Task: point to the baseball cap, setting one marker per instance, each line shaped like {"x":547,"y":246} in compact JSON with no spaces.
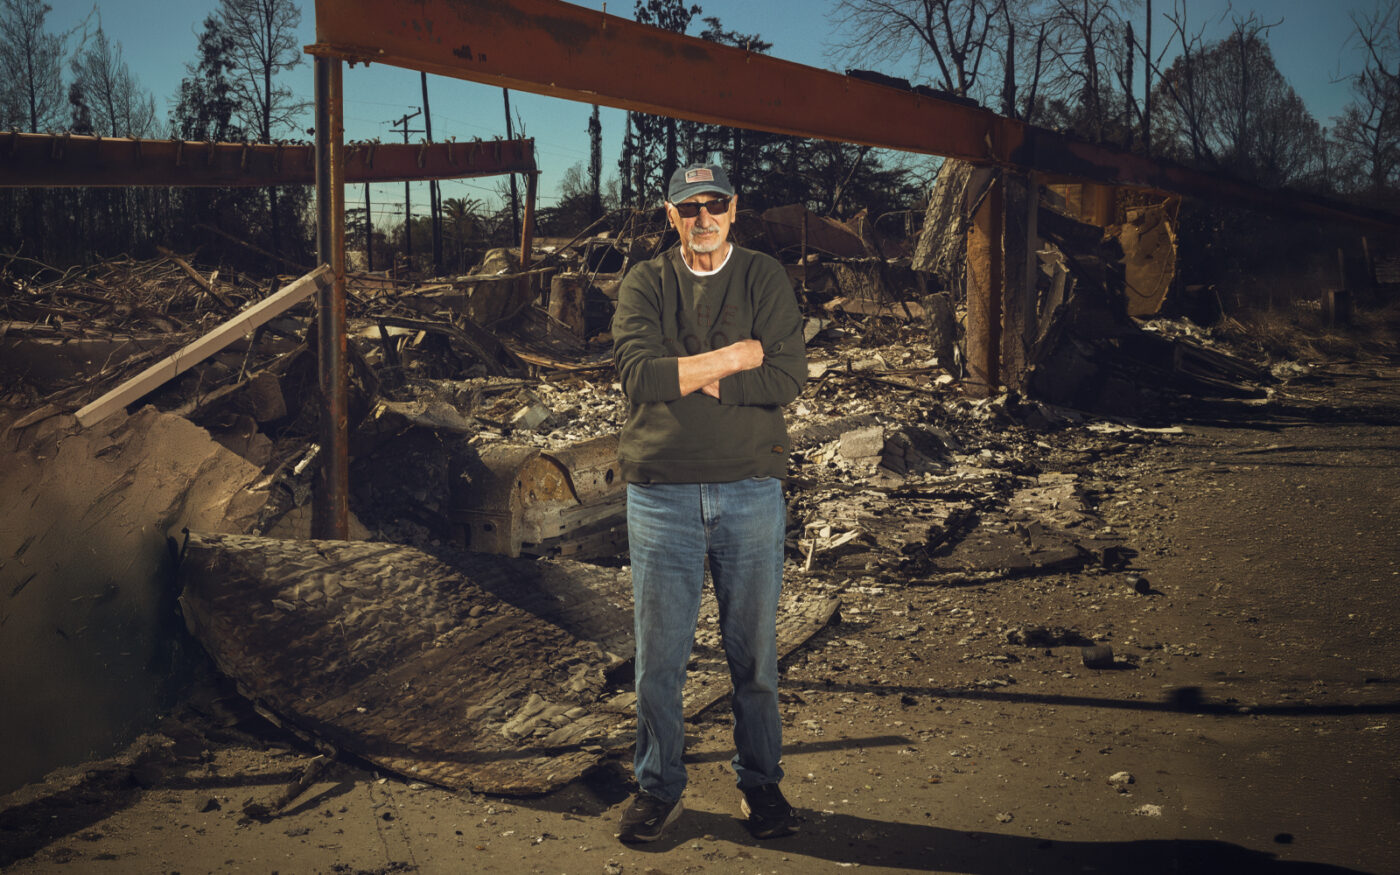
{"x":697,"y":179}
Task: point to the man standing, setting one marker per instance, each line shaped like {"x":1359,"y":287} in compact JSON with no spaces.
{"x":707,"y":340}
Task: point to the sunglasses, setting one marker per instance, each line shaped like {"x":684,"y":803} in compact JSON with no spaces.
{"x":691,"y":209}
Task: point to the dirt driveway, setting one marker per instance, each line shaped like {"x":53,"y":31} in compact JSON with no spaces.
{"x":1250,"y":721}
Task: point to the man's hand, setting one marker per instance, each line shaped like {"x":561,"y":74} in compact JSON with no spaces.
{"x":748,"y":354}
{"x":699,"y":373}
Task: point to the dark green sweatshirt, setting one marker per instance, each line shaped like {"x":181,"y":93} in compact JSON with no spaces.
{"x":664,"y":311}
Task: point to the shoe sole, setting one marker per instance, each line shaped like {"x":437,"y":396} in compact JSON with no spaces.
{"x":786,"y":829}
{"x":651,"y":837}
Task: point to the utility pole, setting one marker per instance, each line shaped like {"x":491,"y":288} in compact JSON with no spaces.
{"x":407,"y":202}
{"x":514,"y":195}
{"x":595,"y":165}
{"x":1147,"y":87}
{"x":369,"y":234}
{"x":433,"y":206}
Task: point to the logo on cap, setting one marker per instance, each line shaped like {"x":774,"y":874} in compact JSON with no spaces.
{"x":699,"y":174}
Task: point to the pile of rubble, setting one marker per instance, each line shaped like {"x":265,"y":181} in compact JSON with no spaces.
{"x":483,"y":419}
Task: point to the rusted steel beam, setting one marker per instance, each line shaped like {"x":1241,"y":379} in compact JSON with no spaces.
{"x":563,"y":50}
{"x":330,"y":506}
{"x":568,"y":51}
{"x":64,"y":160}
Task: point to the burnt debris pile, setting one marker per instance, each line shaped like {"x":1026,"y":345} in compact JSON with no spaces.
{"x":484,"y":415}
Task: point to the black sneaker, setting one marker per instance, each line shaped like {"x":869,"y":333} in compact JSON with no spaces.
{"x":646,"y":818}
{"x":769,"y":814}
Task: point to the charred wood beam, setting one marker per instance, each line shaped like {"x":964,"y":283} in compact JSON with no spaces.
{"x":563,"y":50}
{"x":482,"y":344}
{"x":66,"y":160}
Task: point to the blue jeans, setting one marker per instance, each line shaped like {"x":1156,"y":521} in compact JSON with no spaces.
{"x":672,"y":528}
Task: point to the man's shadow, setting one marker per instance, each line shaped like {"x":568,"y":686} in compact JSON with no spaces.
{"x":850,"y":840}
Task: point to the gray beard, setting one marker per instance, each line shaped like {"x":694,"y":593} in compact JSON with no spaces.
{"x":705,"y":248}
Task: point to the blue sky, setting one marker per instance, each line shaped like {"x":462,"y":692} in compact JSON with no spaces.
{"x":158,"y":38}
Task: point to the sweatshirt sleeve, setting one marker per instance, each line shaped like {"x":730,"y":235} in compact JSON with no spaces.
{"x":777,"y":324}
{"x":645,"y":367}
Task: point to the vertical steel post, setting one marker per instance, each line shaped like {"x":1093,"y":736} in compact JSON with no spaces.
{"x":1018,"y":308}
{"x":330,"y":504}
{"x":985,"y":282}
{"x":527,"y":230}
{"x":369,"y":234}
{"x":514,"y":196}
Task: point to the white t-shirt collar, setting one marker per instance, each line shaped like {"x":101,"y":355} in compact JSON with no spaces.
{"x":727,"y":255}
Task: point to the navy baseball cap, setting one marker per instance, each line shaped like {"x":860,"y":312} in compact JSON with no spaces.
{"x":698,"y":179}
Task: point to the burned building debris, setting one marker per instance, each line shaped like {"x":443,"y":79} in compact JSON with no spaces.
{"x":466,"y":670}
{"x":487,"y":511}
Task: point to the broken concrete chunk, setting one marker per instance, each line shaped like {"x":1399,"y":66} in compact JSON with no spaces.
{"x":863,"y":443}
{"x":1121,"y":780}
{"x":873,"y":363}
{"x":531,"y":417}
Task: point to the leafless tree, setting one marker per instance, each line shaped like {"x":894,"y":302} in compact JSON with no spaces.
{"x":107,"y":100}
{"x":1085,"y":42}
{"x":952,"y":36}
{"x":1180,"y":93}
{"x":31,"y":60}
{"x":654,"y":138}
{"x":263,"y":44}
{"x":1016,"y":50}
{"x":1242,"y":115}
{"x":1137,"y":48}
{"x":1368,"y":132}
{"x":107,"y":92}
{"x":1379,"y":36}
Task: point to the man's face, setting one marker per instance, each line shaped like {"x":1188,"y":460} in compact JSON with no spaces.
{"x":705,"y":233}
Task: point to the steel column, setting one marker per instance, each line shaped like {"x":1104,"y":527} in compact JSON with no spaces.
{"x":986,"y":278}
{"x":527,"y":230}
{"x":1018,"y":299}
{"x":330,"y":501}
{"x":527,"y":236}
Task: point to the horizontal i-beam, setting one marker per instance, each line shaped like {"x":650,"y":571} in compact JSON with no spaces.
{"x":67,"y":160}
{"x":562,"y":50}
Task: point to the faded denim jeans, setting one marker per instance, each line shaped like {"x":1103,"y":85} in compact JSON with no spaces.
{"x":672,"y":528}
